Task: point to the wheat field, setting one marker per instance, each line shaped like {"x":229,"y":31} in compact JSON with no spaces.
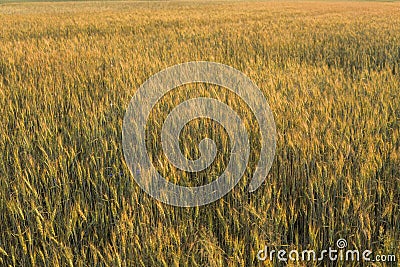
{"x":330,"y":72}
